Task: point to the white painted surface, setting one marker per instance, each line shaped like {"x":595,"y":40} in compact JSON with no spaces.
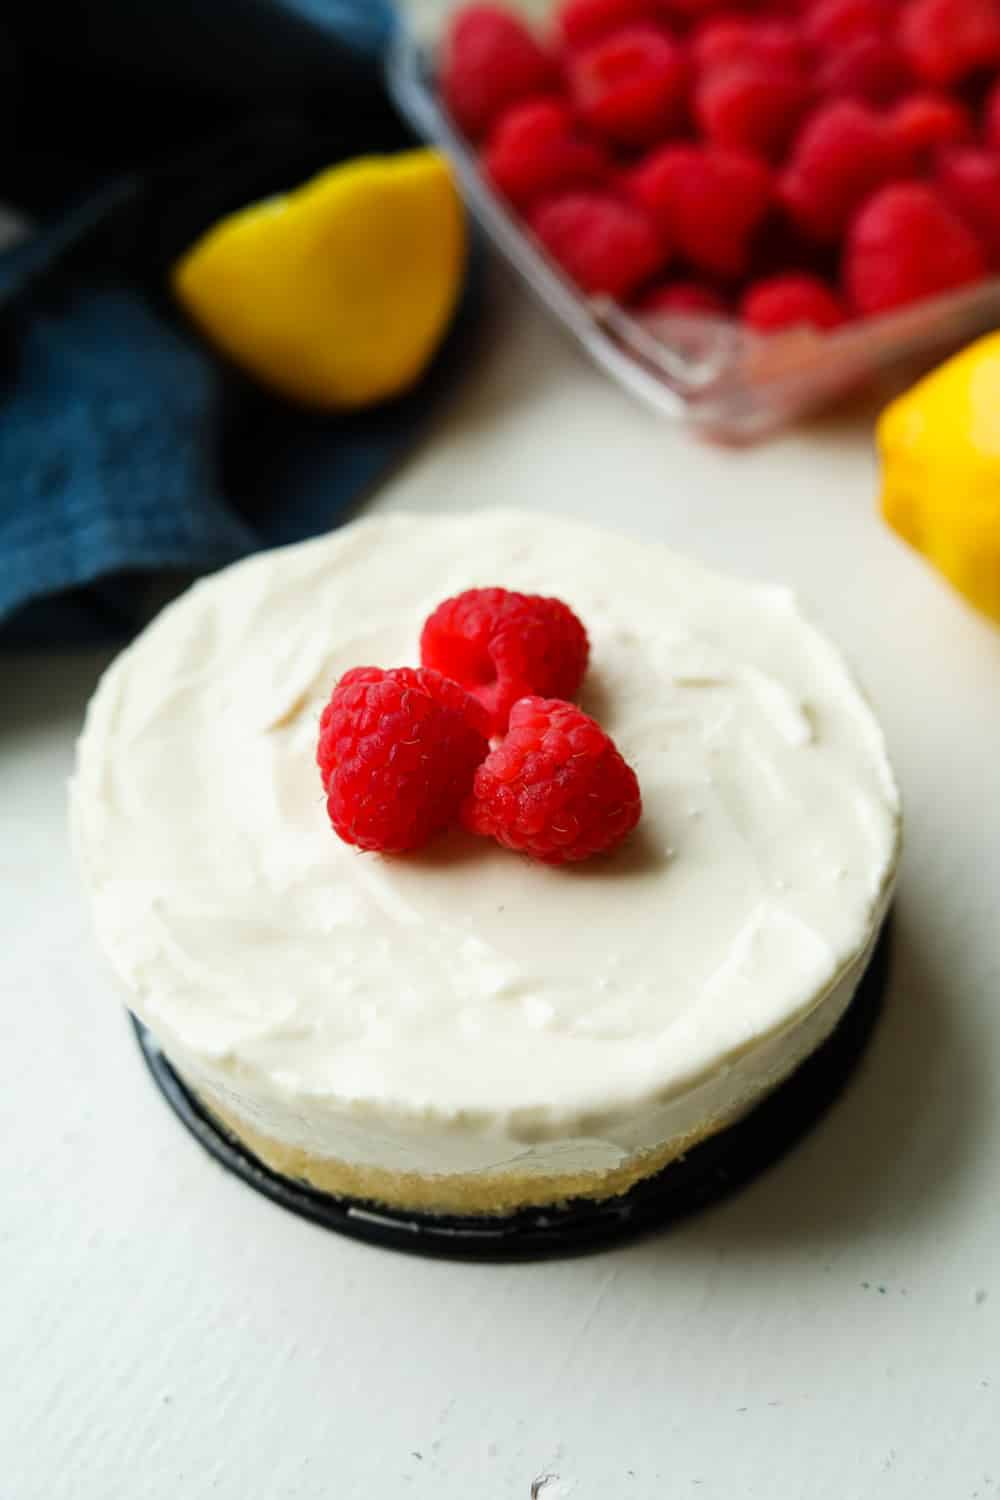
{"x":831,"y":1334}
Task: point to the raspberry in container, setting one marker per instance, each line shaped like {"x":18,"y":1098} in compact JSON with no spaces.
{"x":739,"y":217}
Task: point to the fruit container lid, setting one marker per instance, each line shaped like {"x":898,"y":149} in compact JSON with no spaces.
{"x":710,"y":373}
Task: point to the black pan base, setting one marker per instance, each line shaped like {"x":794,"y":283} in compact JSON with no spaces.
{"x":711,"y":1171}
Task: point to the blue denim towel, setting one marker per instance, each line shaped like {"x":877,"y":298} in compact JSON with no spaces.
{"x":126,"y":446}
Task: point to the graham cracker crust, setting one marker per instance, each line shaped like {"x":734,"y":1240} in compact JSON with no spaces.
{"x":461,"y":1193}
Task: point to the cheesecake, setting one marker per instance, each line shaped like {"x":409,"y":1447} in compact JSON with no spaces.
{"x":462,"y":1030}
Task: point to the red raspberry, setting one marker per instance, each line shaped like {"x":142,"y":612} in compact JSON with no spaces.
{"x":905,"y":244}
{"x":556,"y":788}
{"x":969,"y":180}
{"x":631,"y":88}
{"x":944,"y":40}
{"x":719,"y":41}
{"x":606,"y":246}
{"x":780,"y":43}
{"x":706,"y":201}
{"x":871,"y":68}
{"x":790,"y":301}
{"x":491,"y":60}
{"x":750,"y":106}
{"x":832,"y":23}
{"x":844,"y":152}
{"x":582,"y":22}
{"x":535,"y":150}
{"x":924,"y":122}
{"x":502,"y":646}
{"x":724,"y":40}
{"x":689,"y":297}
{"x":397,"y":752}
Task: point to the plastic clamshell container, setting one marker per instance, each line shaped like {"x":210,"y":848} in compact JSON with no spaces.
{"x":711,"y":373}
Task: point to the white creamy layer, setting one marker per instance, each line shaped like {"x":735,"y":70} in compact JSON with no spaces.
{"x":462,"y":1008}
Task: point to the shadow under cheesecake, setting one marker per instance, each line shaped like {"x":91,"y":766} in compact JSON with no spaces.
{"x":891,"y":1151}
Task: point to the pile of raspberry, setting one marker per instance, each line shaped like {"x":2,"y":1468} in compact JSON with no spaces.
{"x":785,"y":161}
{"x":483,"y":733}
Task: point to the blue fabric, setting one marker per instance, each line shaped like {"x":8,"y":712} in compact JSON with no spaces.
{"x":126,"y":446}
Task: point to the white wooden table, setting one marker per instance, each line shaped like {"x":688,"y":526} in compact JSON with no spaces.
{"x":831,"y":1334}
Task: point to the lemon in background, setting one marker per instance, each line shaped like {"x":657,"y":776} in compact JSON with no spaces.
{"x":940,"y":450}
{"x":337,"y":294}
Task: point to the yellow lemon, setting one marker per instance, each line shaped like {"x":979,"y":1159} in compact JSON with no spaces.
{"x":336,"y":294}
{"x":940,"y":449}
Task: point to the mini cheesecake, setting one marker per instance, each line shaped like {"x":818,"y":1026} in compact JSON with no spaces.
{"x":462,"y":1030}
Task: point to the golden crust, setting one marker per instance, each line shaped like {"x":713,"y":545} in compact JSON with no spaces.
{"x":454,"y":1193}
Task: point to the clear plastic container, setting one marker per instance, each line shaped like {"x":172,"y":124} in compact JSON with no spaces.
{"x":711,"y":373}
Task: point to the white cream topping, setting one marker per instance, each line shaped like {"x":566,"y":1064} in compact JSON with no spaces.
{"x":464,"y":1008}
